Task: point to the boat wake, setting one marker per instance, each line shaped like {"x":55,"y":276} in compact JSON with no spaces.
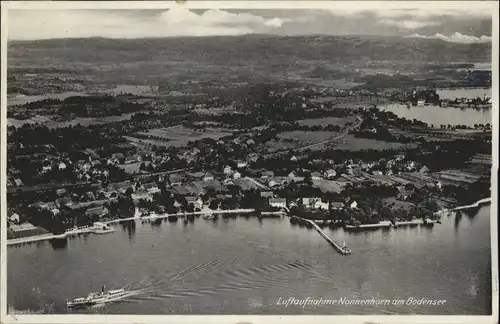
{"x":229,"y":274}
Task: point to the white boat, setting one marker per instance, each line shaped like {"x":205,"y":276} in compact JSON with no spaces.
{"x":101,"y":228}
{"x":105,"y":296}
{"x":208,"y":216}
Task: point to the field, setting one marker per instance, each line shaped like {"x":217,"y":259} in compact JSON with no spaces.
{"x":196,"y":187}
{"x":328,"y":185}
{"x":215,"y":111}
{"x":322,"y":140}
{"x":246,"y":184}
{"x":131,"y":168}
{"x":349,"y":142}
{"x":177,"y":136}
{"x":296,"y":139}
{"x":325,"y":121}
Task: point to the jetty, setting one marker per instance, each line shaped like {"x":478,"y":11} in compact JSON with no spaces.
{"x":340,"y":249}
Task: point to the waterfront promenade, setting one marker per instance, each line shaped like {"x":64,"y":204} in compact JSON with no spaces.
{"x":90,"y":229}
{"x":137,"y":215}
{"x":166,"y":215}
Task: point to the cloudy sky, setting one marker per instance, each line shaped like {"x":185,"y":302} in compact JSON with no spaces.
{"x":460,"y":24}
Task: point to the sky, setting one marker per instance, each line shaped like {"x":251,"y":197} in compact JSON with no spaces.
{"x":465,"y":25}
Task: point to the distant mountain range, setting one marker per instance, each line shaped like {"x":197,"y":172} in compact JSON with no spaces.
{"x":252,"y":48}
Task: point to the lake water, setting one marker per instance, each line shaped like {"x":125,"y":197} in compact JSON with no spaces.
{"x":436,"y":115}
{"x":22,"y":99}
{"x":243,"y":266}
{"x":83,"y":121}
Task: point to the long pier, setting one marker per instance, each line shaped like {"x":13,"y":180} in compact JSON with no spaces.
{"x":341,"y":250}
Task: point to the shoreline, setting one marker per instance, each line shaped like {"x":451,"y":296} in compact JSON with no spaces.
{"x":39,"y":238}
{"x":474,"y":205}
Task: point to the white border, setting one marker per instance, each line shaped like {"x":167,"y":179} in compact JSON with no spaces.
{"x":253,"y":319}
{"x":257,"y":4}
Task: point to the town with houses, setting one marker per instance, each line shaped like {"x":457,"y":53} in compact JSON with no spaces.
{"x":55,"y":187}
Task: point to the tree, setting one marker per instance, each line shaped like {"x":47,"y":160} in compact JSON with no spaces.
{"x":129,"y":192}
{"x":190,"y":208}
{"x":214,"y":204}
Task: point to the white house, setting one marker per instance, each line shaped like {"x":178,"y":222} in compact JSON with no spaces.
{"x":354,"y":205}
{"x":208,"y":177}
{"x":315,"y":176}
{"x":293,"y":158}
{"x":228,"y":182}
{"x":267,"y":174}
{"x":86,"y":166}
{"x":424,"y":169}
{"x":310,"y":202}
{"x":410,"y":166}
{"x":14,"y":218}
{"x":62,"y":166}
{"x":152,"y":188}
{"x":272,"y":183}
{"x":322,"y":205}
{"x":337,"y":205}
{"x":197,"y":202}
{"x":330,"y":174}
{"x":227,"y":170}
{"x":277,"y":202}
{"x":241,"y":164}
{"x":377,"y":173}
{"x":142,"y":194}
{"x":236,"y":175}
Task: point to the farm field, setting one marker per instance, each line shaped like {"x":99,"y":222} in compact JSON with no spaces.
{"x":215,"y":111}
{"x":131,"y":168}
{"x":325,"y":121}
{"x":246,"y":184}
{"x":295,"y":139}
{"x":328,"y":185}
{"x":139,"y":142}
{"x":177,"y":136}
{"x":349,"y":142}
